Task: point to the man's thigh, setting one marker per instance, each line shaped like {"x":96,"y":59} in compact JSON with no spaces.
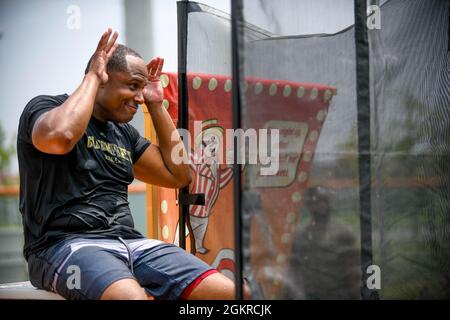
{"x":88,"y":272}
{"x":166,"y":270}
{"x":79,"y":268}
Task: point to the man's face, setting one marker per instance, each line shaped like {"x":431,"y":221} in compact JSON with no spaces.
{"x":119,"y":99}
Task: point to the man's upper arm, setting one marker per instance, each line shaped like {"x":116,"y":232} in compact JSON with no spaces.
{"x":31,"y":129}
{"x":32,"y":112}
{"x":150,"y":168}
{"x":148,"y":163}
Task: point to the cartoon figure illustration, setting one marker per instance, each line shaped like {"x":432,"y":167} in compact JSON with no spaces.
{"x":209,"y":177}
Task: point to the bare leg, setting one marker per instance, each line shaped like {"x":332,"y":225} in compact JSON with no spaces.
{"x":217,"y":287}
{"x":124,"y":289}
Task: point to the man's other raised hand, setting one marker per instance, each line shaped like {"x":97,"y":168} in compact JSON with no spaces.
{"x":105,"y":49}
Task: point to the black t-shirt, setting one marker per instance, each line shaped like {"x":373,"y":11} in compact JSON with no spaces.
{"x":83,"y":192}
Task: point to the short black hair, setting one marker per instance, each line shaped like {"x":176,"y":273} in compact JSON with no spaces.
{"x":118,"y":61}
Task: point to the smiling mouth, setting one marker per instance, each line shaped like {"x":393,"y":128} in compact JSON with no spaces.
{"x":132,"y":107}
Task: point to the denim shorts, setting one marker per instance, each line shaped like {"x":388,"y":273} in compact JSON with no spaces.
{"x":82,"y":268}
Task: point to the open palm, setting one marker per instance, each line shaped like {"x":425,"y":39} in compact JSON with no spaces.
{"x":105,"y":49}
{"x":153,"y":91}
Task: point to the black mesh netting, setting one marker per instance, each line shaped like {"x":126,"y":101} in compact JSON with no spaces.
{"x":302,"y":225}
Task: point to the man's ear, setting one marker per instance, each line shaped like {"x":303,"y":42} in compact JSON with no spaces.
{"x":103,"y":85}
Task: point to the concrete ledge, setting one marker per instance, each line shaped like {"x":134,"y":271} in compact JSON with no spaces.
{"x":25,"y":291}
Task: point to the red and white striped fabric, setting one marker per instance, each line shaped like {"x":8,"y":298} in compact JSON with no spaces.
{"x":208,"y":178}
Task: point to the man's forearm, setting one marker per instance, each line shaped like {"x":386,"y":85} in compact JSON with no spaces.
{"x":165,"y":128}
{"x":70,"y":120}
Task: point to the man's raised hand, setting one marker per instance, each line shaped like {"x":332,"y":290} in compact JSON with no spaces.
{"x":153,"y":91}
{"x":106,"y":47}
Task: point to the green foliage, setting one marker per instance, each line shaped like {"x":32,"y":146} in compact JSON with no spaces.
{"x":7,"y":151}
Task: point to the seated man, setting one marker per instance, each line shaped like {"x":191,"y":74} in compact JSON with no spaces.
{"x":324,"y":262}
{"x":77,"y":156}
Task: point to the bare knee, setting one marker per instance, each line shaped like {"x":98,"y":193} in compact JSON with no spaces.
{"x":124,"y":289}
{"x":214,"y":287}
{"x":217,"y":287}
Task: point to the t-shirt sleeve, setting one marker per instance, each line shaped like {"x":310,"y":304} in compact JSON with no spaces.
{"x":139,"y":143}
{"x":34,"y":109}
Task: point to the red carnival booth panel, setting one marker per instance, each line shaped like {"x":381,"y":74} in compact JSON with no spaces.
{"x":296,"y":110}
